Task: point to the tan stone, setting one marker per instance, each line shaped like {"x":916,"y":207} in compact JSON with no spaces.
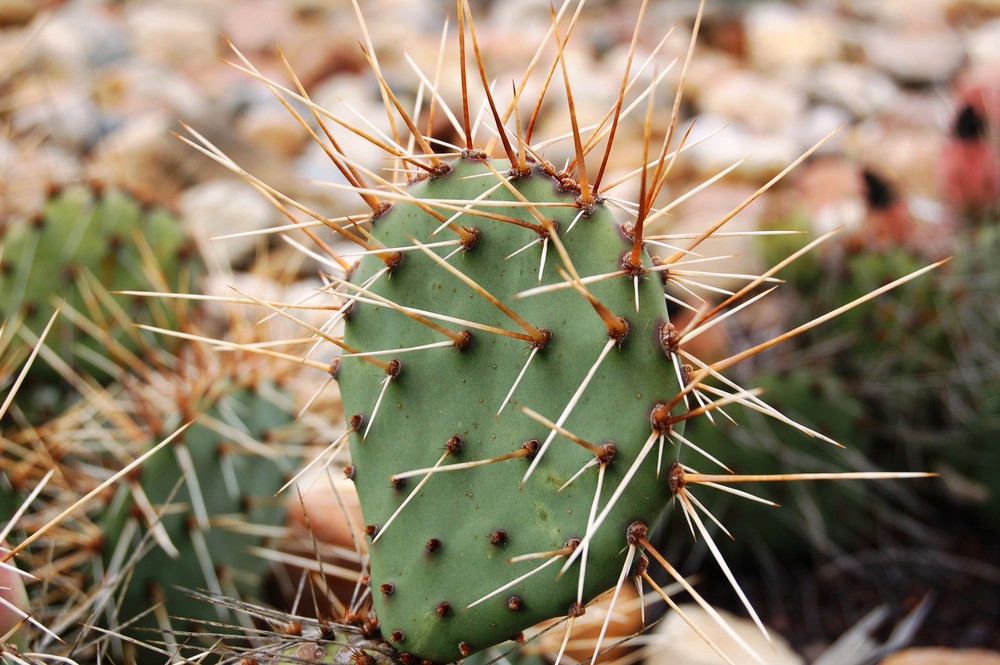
{"x":943,"y":656}
{"x":675,"y":642}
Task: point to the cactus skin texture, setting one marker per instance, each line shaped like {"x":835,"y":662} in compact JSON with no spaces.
{"x":158,"y":575}
{"x":441,"y":548}
{"x":209,"y":490}
{"x":86,"y":242}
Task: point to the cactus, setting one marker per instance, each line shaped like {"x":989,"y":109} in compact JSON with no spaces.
{"x":516,"y":393}
{"x":446,"y":548}
{"x":194,"y":515}
{"x":87,"y":242}
{"x":228,"y":488}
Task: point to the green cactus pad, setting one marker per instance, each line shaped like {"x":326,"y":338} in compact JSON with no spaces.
{"x":236,"y":489}
{"x":450,"y":545}
{"x":85,"y":244}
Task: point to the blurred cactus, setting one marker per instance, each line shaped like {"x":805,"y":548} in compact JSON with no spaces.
{"x":87,"y":242}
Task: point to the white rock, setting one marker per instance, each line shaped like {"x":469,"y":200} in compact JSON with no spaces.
{"x":898,"y":13}
{"x":816,"y":123}
{"x":983,"y":44}
{"x":145,"y":86}
{"x":220,"y":207}
{"x":63,"y":112}
{"x":356,"y":100}
{"x":915,"y":56}
{"x":859,"y":89}
{"x":763,"y":155}
{"x":761,"y":103}
{"x":675,"y":643}
{"x":77,"y":39}
{"x":780,"y":35}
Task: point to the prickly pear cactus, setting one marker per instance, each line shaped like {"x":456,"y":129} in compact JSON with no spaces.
{"x":210,"y":443}
{"x":443,"y":581}
{"x":86,"y":243}
{"x":212,"y":491}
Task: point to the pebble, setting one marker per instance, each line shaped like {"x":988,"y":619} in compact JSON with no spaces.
{"x":942,"y":656}
{"x":273,"y":128}
{"x":329,"y":511}
{"x":171,"y":36}
{"x":983,"y":44}
{"x":131,"y":156}
{"x":256,"y":25}
{"x":77,"y":40}
{"x":17,"y":12}
{"x":761,"y":156}
{"x":915,"y":56}
{"x":223,"y":206}
{"x":63,"y":111}
{"x":858,"y":89}
{"x":147,"y":87}
{"x":674,"y":641}
{"x":827,"y":192}
{"x":763,"y":104}
{"x":625,"y":621}
{"x":781,"y":35}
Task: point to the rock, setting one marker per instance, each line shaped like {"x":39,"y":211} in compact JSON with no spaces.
{"x":897,"y":13}
{"x":144,"y":87}
{"x":915,"y":56}
{"x":256,"y":25}
{"x":330,"y":509}
{"x":171,"y":35}
{"x":828,"y":193}
{"x":910,"y":154}
{"x":817,"y":123}
{"x":273,"y":128}
{"x":218,"y":207}
{"x":983,"y":44}
{"x":780,"y":35}
{"x":76,"y":40}
{"x":761,"y":103}
{"x":674,"y":641}
{"x":131,"y":156}
{"x":764,"y":155}
{"x":858,"y":89}
{"x":63,"y":111}
{"x":943,"y":656}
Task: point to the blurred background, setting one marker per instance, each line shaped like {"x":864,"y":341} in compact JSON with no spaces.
{"x":92,"y":92}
